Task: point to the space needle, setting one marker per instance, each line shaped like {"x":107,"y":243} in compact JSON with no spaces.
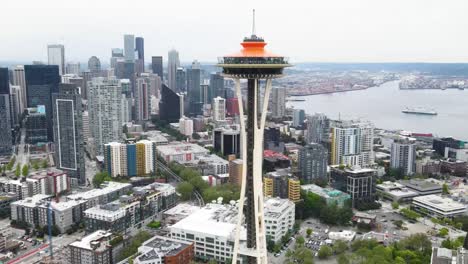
{"x":259,"y":67}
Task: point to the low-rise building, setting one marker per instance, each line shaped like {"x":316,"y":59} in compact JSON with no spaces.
{"x":395,"y":192}
{"x":422,"y":187}
{"x":331,"y":196}
{"x":179,"y":212}
{"x":344,"y":235}
{"x":279,"y":217}
{"x":211,"y":164}
{"x":94,"y":248}
{"x":165,"y":250}
{"x":453,"y":167}
{"x":438,"y":206}
{"x":365,"y":218}
{"x":108,"y":192}
{"x":181,"y":152}
{"x":64,"y":214}
{"x":26,"y":210}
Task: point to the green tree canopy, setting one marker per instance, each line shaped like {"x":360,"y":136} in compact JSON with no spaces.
{"x":185,"y":189}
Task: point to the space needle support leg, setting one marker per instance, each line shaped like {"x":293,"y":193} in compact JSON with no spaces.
{"x":258,"y":190}
{"x":244,"y":170}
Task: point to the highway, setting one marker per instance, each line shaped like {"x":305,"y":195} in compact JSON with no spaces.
{"x":177,"y":178}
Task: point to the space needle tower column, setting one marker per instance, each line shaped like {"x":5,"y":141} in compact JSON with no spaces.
{"x":258,"y":66}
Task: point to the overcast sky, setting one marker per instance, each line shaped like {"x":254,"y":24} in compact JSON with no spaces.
{"x":304,"y":30}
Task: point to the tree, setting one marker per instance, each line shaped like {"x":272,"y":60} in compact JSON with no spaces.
{"x":195,"y":136}
{"x":410,"y":214}
{"x":300,"y":254}
{"x":309,"y":232}
{"x":101,"y":177}
{"x":25,"y":170}
{"x":185,"y":189}
{"x":324,"y":252}
{"x":18,"y":170}
{"x":398,"y":223}
{"x":339,"y":246}
{"x":445,"y":189}
{"x":35,"y":165}
{"x":443,"y":232}
{"x":45,"y":163}
{"x":300,"y":240}
{"x":395,"y":205}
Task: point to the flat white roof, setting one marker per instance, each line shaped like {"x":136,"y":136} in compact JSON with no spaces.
{"x":182,"y":209}
{"x":32,"y":201}
{"x":109,"y":187}
{"x":440,"y":203}
{"x":180,"y":148}
{"x":208,"y":220}
{"x":85,"y":242}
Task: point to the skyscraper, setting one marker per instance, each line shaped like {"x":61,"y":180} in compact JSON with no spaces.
{"x":172,"y":64}
{"x":68,"y":128}
{"x":15,"y":97}
{"x":318,"y":128}
{"x":94,"y":65}
{"x":73,"y":68}
{"x":104,"y":103}
{"x":129,"y":48}
{"x":144,"y":85}
{"x":351,"y":143}
{"x":313,"y":163}
{"x":157,"y":66}
{"x":170,"y":105}
{"x":298,"y":117}
{"x":216,"y":86}
{"x":181,"y":81}
{"x":219,"y":109}
{"x":194,"y":92}
{"x":19,"y":79}
{"x":403,"y":156}
{"x":56,"y":56}
{"x":140,"y":53}
{"x":278,"y":102}
{"x":116,"y":55}
{"x":41,"y":82}
{"x":5,"y":113}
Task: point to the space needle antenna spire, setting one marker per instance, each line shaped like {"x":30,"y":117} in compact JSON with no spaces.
{"x":253,"y":22}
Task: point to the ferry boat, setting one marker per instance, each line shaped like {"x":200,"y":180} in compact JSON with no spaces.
{"x":419,"y":111}
{"x":290,"y":99}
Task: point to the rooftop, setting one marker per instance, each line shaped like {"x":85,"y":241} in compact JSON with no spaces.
{"x":175,"y":148}
{"x":421,"y":185}
{"x":182,"y":209}
{"x":324,"y":192}
{"x":106,"y":188}
{"x":85,"y":242}
{"x":32,"y":201}
{"x":440,"y":203}
{"x":275,"y":207}
{"x":159,"y":246}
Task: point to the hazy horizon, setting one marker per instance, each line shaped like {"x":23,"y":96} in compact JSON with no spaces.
{"x":335,"y":31}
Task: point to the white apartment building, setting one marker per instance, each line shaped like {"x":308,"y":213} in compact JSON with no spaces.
{"x":403,"y":156}
{"x":105,"y":106}
{"x":219,"y":109}
{"x":279,"y":217}
{"x":186,"y":126}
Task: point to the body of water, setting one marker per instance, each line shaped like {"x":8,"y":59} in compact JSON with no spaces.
{"x":383,"y":105}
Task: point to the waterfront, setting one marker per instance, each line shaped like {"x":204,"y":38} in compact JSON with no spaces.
{"x":383,"y":105}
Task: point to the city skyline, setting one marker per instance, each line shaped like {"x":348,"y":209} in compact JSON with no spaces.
{"x":331,"y":31}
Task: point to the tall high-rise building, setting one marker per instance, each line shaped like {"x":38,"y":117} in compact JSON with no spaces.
{"x":281,"y":183}
{"x":170,"y":105}
{"x":127,"y":101}
{"x":68,"y":132}
{"x":94,"y":65}
{"x":15,"y":97}
{"x":140,"y":53}
{"x":278,"y":102}
{"x":312,"y":163}
{"x":351,"y":144}
{"x":117,"y":54}
{"x":133,"y":159}
{"x":19,"y":79}
{"x":172,"y":64}
{"x":104,"y":104}
{"x":318,"y":129}
{"x":216,"y":86}
{"x":181,"y":82}
{"x":298,"y":117}
{"x":403,"y":156}
{"x":5,"y":113}
{"x":219,"y":109}
{"x":56,"y":56}
{"x":143,"y":90}
{"x":157,"y":66}
{"x":129,"y":47}
{"x":73,"y":68}
{"x":41,"y":82}
{"x":194,"y":92}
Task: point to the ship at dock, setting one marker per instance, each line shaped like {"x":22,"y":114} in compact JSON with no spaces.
{"x":419,"y":111}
